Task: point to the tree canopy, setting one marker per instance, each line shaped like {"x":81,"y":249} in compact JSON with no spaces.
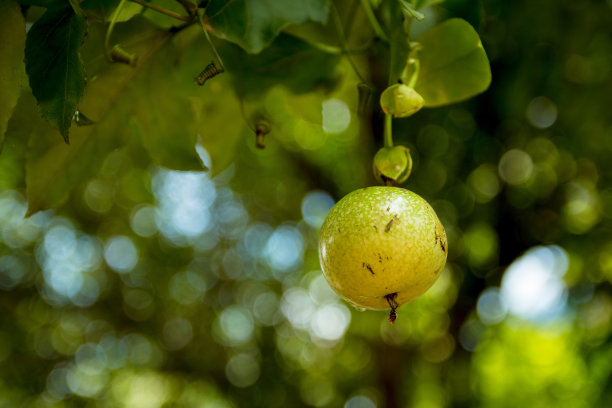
{"x":166,"y":167}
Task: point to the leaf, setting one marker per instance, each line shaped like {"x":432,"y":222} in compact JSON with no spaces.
{"x":56,"y":73}
{"x":454,"y":65}
{"x":419,"y":4}
{"x":152,"y":94}
{"x":12,"y":40}
{"x":24,"y":123}
{"x":43,"y":3}
{"x":253,"y":24}
{"x":99,"y":6}
{"x":162,"y":99}
{"x":162,"y":20}
{"x":309,"y":67}
{"x":105,"y":9}
{"x":214,"y":107}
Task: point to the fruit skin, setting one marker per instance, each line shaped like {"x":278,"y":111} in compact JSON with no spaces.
{"x":378,"y":241}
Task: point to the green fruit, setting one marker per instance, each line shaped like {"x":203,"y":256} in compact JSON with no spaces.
{"x":392,"y":165}
{"x":401,"y":101}
{"x":381,"y":247}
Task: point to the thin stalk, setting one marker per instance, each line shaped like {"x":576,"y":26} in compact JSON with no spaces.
{"x":109,"y":31}
{"x":388,"y":133}
{"x":350,"y":19}
{"x":415,"y":73}
{"x":340,"y":30}
{"x":162,"y":10}
{"x":367,"y":8}
{"x":201,"y":20}
{"x":332,"y":49}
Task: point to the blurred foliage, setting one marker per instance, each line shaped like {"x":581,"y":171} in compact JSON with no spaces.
{"x":152,"y":283}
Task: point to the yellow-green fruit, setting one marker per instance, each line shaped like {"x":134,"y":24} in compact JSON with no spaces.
{"x":401,"y":101}
{"x":380,"y":242}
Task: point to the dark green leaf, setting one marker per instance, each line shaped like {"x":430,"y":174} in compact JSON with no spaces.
{"x":44,"y":3}
{"x":101,"y":9}
{"x":104,"y":9}
{"x":162,"y":20}
{"x":12,"y":40}
{"x":253,"y":24}
{"x":99,"y":5}
{"x":309,"y":67}
{"x":57,"y":76}
{"x":454,"y":65}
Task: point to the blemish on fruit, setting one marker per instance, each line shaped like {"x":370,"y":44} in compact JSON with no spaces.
{"x":390,"y":223}
{"x":441,"y":241}
{"x":368,"y":267}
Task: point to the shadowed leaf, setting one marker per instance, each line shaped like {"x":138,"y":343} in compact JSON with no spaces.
{"x":12,"y":40}
{"x":254,"y":24}
{"x":151,"y":93}
{"x":56,"y":73}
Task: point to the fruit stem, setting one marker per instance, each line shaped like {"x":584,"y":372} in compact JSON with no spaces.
{"x":201,"y":21}
{"x":393,"y":305}
{"x":388,"y":132}
{"x":415,"y":73}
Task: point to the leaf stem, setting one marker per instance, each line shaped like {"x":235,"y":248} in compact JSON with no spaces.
{"x":332,"y":49}
{"x":162,"y":10}
{"x":343,"y":44}
{"x":109,"y":31}
{"x":350,"y":19}
{"x":388,"y":133}
{"x":367,"y":8}
{"x":201,"y":20}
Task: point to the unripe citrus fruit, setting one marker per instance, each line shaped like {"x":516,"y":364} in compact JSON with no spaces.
{"x":381,"y":247}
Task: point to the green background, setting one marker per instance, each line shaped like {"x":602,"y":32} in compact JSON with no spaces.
{"x":134,"y":285}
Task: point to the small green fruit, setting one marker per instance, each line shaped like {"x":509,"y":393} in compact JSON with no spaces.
{"x":400,"y":101}
{"x":392,"y":165}
{"x":381,"y":247}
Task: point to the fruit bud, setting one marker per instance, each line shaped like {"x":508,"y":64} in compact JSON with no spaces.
{"x":118,"y":54}
{"x":392,"y":165}
{"x":401,"y":101}
{"x":262,"y":128}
